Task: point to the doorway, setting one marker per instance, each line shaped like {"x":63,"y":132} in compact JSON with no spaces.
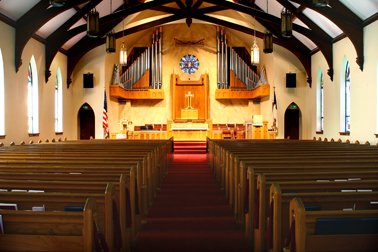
{"x":292,"y":121}
{"x":86,"y":121}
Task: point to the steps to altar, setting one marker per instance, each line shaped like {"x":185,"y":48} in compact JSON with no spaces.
{"x":189,"y":147}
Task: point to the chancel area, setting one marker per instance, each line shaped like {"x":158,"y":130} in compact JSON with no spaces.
{"x":188,"y":125}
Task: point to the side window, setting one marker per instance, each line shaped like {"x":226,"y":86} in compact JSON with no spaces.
{"x":320,"y":103}
{"x":2,"y":96}
{"x":33,"y":117}
{"x":58,"y":102}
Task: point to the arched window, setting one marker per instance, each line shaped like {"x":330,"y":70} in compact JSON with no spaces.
{"x":33,"y":97}
{"x":58,"y":102}
{"x":2,"y":102}
{"x":345,"y":98}
{"x":320,"y":103}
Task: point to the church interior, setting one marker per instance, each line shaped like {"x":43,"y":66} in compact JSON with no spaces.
{"x":211,"y":125}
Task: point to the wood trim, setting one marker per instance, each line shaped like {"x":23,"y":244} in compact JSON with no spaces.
{"x":344,"y":133}
{"x":257,"y":93}
{"x":319,"y":132}
{"x":370,"y":20}
{"x":200,"y":88}
{"x":33,"y":134}
{"x":119,"y":92}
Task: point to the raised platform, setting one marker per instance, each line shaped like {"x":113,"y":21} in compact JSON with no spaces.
{"x":189,"y":130}
{"x":189,"y":147}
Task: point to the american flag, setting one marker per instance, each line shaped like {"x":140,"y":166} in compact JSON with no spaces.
{"x":105,"y":124}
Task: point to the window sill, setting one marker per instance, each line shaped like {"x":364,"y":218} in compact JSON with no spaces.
{"x":58,"y":133}
{"x":344,"y":133}
{"x":319,"y":132}
{"x":33,"y":134}
{"x":376,"y":135}
{"x":2,"y":136}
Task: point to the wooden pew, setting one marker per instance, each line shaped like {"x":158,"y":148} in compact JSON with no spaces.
{"x":53,"y":158}
{"x":279,"y":222}
{"x":301,"y":182}
{"x":124,"y":194}
{"x":49,"y":230}
{"x":262,"y":203}
{"x":105,"y":217}
{"x":305,"y":238}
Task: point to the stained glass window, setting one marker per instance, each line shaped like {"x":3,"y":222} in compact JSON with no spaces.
{"x":189,"y":64}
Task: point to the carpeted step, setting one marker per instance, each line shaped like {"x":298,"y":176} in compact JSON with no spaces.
{"x":190,"y":147}
{"x":190,"y":212}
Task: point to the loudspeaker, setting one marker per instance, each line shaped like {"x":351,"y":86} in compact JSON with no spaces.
{"x":88,"y":80}
{"x":291,"y":80}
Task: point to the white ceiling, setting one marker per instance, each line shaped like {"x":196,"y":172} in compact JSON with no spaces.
{"x":14,"y":9}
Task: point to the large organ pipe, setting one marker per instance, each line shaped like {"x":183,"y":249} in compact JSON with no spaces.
{"x":218,"y":58}
{"x":226,"y":63}
{"x":156,"y":60}
{"x":150,"y":59}
{"x":160,"y":57}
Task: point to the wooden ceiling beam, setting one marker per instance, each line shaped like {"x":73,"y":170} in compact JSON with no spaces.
{"x":55,"y":41}
{"x":318,"y":36}
{"x":87,"y":44}
{"x":32,"y":21}
{"x":292,"y":44}
{"x":346,"y":20}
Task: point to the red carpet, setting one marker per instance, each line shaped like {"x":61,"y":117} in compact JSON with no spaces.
{"x":190,"y":212}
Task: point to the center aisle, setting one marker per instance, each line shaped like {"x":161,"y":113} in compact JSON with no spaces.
{"x":190,"y":212}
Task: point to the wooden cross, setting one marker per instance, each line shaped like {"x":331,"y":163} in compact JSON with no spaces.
{"x":189,"y":95}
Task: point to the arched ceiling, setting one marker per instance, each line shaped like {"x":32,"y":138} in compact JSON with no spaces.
{"x":63,"y":28}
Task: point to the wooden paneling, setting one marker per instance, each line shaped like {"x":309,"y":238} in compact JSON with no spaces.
{"x":200,"y":101}
{"x":257,"y":93}
{"x":146,"y":94}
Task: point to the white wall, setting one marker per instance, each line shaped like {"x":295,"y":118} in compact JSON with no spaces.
{"x":363,"y":90}
{"x":16,"y":128}
{"x":364,"y":120}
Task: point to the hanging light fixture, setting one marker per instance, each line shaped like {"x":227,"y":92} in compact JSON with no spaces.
{"x":320,"y":3}
{"x":255,"y":51}
{"x":268,"y":37}
{"x":110,"y":37}
{"x":110,"y":42}
{"x":123,"y":51}
{"x":286,"y":23}
{"x":58,"y":3}
{"x":268,"y":42}
{"x":93,"y":27}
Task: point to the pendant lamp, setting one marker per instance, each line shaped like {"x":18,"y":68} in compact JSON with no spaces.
{"x":93,"y":27}
{"x":110,"y":37}
{"x":286,"y":23}
{"x":255,"y":51}
{"x":320,"y":3}
{"x":58,"y":3}
{"x":268,"y":42}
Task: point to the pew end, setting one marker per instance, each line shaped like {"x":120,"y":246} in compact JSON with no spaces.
{"x":359,"y":231}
